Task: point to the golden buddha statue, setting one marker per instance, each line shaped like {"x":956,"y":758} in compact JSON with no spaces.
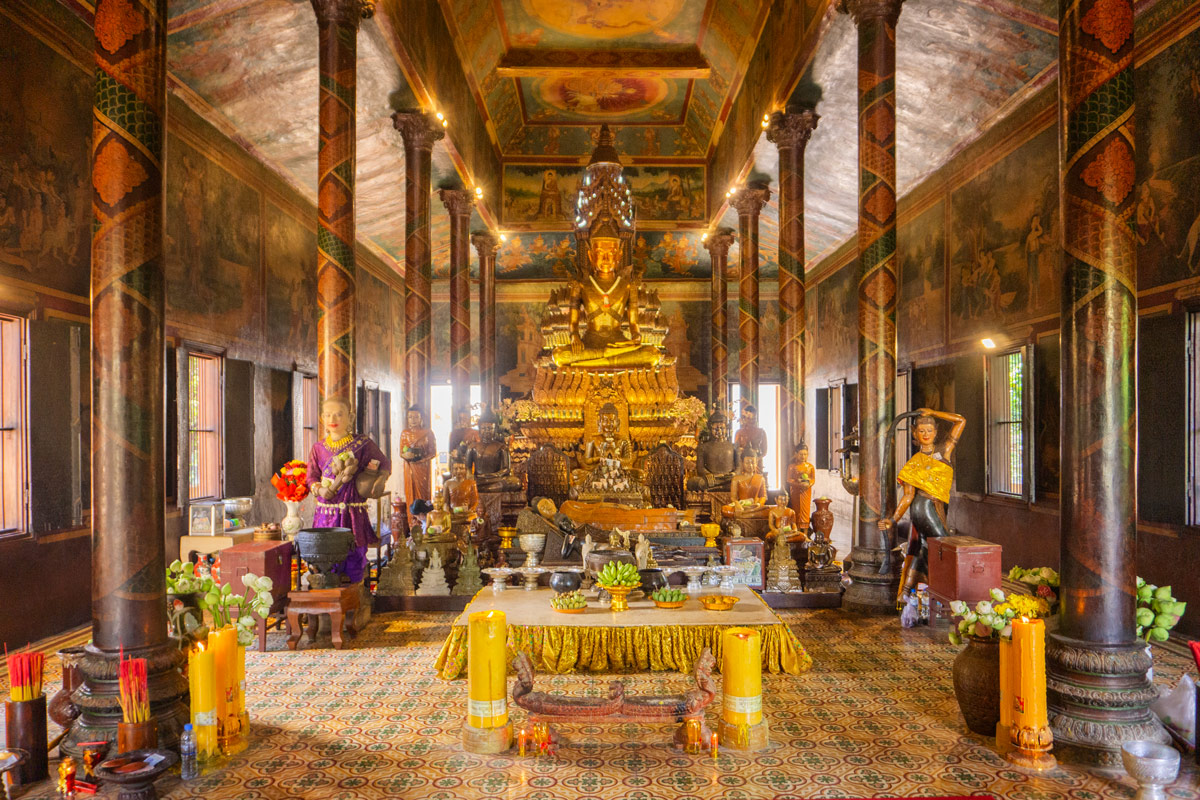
{"x":607,"y":445}
{"x":605,"y":298}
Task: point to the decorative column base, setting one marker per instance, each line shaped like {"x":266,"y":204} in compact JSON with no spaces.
{"x":1099,"y":697}
{"x":744,"y":738}
{"x":869,"y":592}
{"x":487,"y":741}
{"x":100,"y":708}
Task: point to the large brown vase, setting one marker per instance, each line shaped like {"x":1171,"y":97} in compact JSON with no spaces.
{"x":977,"y":684}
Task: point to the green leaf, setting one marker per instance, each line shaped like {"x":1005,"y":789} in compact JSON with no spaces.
{"x":227,"y":588}
{"x":1144,"y":616}
{"x":1140,"y":582}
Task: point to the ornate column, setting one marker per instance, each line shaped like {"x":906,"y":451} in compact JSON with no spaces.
{"x":459,"y":203}
{"x":1098,"y":692}
{"x":337,"y":27}
{"x":128,"y":300}
{"x":717,"y":245}
{"x":790,"y":133}
{"x":877,"y":281}
{"x":749,"y":201}
{"x":486,"y":244}
{"x":420,"y":131}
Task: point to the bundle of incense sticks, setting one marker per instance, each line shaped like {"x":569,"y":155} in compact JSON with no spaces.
{"x":24,"y":675}
{"x":135,"y":698}
{"x":1195,"y":652}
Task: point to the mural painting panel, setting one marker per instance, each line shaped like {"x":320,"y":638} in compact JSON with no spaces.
{"x":534,"y":256}
{"x":1168,"y":163}
{"x":540,"y":194}
{"x":371,"y":310}
{"x":518,"y":343}
{"x":920,"y":317}
{"x":689,"y":323}
{"x":45,"y":168}
{"x":837,"y":322}
{"x":212,"y":263}
{"x":670,"y":254}
{"x":667,"y":193}
{"x":1003,"y":258}
{"x":290,"y":249}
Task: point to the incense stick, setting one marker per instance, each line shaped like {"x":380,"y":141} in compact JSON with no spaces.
{"x":135,"y":698}
{"x":24,"y":675}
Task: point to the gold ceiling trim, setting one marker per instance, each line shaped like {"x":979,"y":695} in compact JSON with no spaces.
{"x":686,"y":62}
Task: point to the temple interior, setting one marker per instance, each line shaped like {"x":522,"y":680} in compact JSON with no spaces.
{"x":600,"y":399}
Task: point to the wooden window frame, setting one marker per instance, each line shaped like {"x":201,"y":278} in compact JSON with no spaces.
{"x":14,"y":418}
{"x":992,"y":437}
{"x":185,"y":352}
{"x":309,"y":413}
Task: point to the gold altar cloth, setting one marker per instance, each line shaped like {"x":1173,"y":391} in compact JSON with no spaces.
{"x":644,"y":638}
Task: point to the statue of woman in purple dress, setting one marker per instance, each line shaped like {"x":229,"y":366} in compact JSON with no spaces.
{"x":345,"y":470}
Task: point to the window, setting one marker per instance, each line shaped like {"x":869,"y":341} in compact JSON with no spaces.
{"x":1007,"y":450}
{"x":441,"y":422}
{"x":12,"y":425}
{"x":768,"y":420}
{"x":204,"y":426}
{"x":309,"y":414}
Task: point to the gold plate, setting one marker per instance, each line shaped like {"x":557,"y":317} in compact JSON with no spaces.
{"x":570,"y":610}
{"x":718,"y":602}
{"x":669,"y":603}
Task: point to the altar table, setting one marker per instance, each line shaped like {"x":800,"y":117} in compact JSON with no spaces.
{"x":644,"y":638}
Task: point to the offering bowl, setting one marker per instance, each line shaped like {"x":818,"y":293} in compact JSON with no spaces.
{"x":1154,"y":766}
{"x":718,"y":602}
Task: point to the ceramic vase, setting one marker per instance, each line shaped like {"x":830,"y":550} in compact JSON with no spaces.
{"x":291,"y":523}
{"x":822,"y":519}
{"x":976,"y":675}
{"x":61,"y":707}
{"x":25,"y":729}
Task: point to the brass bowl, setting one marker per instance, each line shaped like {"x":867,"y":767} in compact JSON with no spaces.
{"x":669,"y":603}
{"x":718,"y":602}
{"x":570,"y":610}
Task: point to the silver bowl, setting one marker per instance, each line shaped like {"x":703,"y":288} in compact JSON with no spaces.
{"x":532,"y":545}
{"x":238,"y":507}
{"x":1154,"y":766}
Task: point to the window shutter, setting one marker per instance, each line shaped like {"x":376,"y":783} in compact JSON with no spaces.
{"x":969,"y":454}
{"x":1162,"y":423}
{"x":385,"y":423}
{"x":56,"y":447}
{"x":821,"y":440}
{"x":182,"y":399}
{"x":298,"y":416}
{"x":238,"y":436}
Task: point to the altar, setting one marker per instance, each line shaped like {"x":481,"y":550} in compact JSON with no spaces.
{"x":644,"y":638}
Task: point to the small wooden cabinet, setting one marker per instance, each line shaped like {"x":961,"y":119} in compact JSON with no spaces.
{"x":273,"y":559}
{"x":963,"y":568}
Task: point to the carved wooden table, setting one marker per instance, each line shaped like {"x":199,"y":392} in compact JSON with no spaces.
{"x":340,"y":604}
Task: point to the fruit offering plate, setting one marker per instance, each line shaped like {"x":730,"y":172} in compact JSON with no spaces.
{"x":570,"y":610}
{"x":669,"y":603}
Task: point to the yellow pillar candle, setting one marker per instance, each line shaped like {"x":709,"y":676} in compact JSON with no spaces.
{"x":223,"y":645}
{"x":201,"y":685}
{"x":742,"y":671}
{"x":1029,"y":673}
{"x":240,"y":683}
{"x":487,"y":671}
{"x":1004,"y":726}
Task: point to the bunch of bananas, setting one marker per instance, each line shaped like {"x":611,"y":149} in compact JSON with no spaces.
{"x":622,"y":574}
{"x":573,"y":599}
{"x":668,"y":594}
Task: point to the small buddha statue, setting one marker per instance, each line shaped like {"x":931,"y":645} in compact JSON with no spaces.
{"x":462,"y":435}
{"x":716,"y":458}
{"x":460,"y":492}
{"x":747,"y":490}
{"x":782,"y":520}
{"x":800,"y":478}
{"x":749,"y":435}
{"x":605,"y":445}
{"x":489,"y":460}
{"x":418,"y":447}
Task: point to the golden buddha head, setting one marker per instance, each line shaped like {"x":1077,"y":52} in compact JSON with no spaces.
{"x":781,"y":500}
{"x":750,"y":462}
{"x":801,"y":453}
{"x":604,"y":247}
{"x":458,"y":469}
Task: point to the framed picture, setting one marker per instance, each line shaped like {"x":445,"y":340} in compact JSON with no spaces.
{"x":379,"y":512}
{"x":749,"y":555}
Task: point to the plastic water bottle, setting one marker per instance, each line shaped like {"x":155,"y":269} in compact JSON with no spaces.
{"x":188,"y":768}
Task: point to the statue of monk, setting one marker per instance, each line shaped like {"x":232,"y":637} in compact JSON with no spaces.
{"x":781,"y":519}
{"x":488,"y":458}
{"x":716,"y":458}
{"x":750,"y":436}
{"x":606,"y":445}
{"x":605,"y":298}
{"x":418,"y":448}
{"x":461,"y":493}
{"x":747,"y":490}
{"x":800,"y":478}
{"x":462,"y":436}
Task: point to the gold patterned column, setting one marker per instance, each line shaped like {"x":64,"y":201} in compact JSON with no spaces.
{"x":486,"y":244}
{"x":337,"y":27}
{"x":420,"y":131}
{"x":459,"y":204}
{"x":718,"y":244}
{"x":790,"y":133}
{"x":874,"y":576}
{"x":749,"y":203}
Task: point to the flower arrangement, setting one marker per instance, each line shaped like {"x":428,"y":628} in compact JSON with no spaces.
{"x":993,"y":619}
{"x":688,"y":412}
{"x":1157,"y":611}
{"x":291,"y":482}
{"x":1044,"y":580}
{"x":219,"y":600}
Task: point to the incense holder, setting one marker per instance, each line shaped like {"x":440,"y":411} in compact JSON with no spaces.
{"x":137,"y":736}
{"x":25,"y":726}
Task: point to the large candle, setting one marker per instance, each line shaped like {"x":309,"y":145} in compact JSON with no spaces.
{"x":240,"y":682}
{"x":487,"y":671}
{"x":1004,"y":726}
{"x":1029,"y":673}
{"x":223,"y":644}
{"x":742,"y":671}
{"x":201,"y":684}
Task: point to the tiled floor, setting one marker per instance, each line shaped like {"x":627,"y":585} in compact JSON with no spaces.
{"x":876,"y":716}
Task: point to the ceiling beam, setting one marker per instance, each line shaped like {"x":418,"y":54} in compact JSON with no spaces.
{"x":685,"y":62}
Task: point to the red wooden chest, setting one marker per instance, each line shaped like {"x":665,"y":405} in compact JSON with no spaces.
{"x":273,"y":559}
{"x":963,"y":568}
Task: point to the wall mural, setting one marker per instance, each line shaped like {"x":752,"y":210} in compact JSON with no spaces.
{"x":837,"y":322}
{"x":1168,"y":163}
{"x":212,"y":270}
{"x":534,"y":256}
{"x":45,"y":170}
{"x":920,"y":317}
{"x":290,"y":249}
{"x":671,"y":254}
{"x":547,"y":194}
{"x":371,"y":308}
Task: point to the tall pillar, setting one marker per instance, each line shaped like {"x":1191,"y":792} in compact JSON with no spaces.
{"x":337,"y":37}
{"x":420,"y":131}
{"x":459,"y":203}
{"x":486,"y":244}
{"x":128,"y":299}
{"x":790,"y":133}
{"x":1098,"y":692}
{"x":874,"y":586}
{"x":717,"y":245}
{"x":749,"y":203}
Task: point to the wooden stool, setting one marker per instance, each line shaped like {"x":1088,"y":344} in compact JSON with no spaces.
{"x":340,"y":604}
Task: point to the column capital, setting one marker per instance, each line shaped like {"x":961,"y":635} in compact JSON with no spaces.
{"x":791,"y":128}
{"x":749,"y":201}
{"x":718,"y":242}
{"x":343,"y":12}
{"x":486,"y":243}
{"x":865,"y":10}
{"x":459,"y":202}
{"x":420,"y":130}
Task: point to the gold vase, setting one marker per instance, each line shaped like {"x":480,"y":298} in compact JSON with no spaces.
{"x":620,"y":596}
{"x":710,"y":531}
